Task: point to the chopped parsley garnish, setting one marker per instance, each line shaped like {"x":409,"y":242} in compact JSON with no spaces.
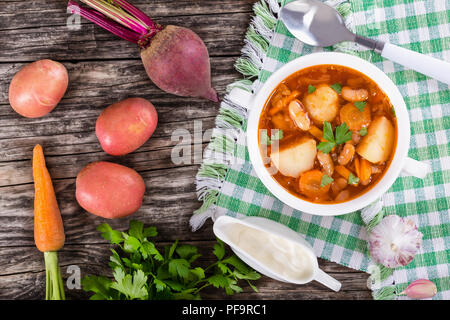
{"x":352,"y":179}
{"x":342,"y":135}
{"x":336,"y":87}
{"x":360,"y":105}
{"x":311,"y":88}
{"x":363,"y":131}
{"x":326,"y":180}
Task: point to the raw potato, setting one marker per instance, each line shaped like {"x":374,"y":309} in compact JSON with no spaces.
{"x":294,"y":160}
{"x":126,"y":125}
{"x":377,"y":145}
{"x":322,"y":104}
{"x":109,"y":190}
{"x":37,"y":88}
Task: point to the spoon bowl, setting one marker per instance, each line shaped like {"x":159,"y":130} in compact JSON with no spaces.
{"x":315,"y":23}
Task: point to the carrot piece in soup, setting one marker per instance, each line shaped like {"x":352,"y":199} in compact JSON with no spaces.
{"x":310,"y":184}
{"x":355,"y":118}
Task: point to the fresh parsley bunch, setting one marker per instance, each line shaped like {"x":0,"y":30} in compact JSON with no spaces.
{"x":143,"y":272}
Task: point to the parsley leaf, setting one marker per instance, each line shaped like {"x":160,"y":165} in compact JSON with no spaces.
{"x":343,"y":134}
{"x":136,"y":229}
{"x":326,"y":180}
{"x":326,"y":146}
{"x":113,"y":236}
{"x":150,"y":232}
{"x":363,"y":131}
{"x":328,"y":132}
{"x":219,"y":249}
{"x":352,"y":179}
{"x":179,"y":267}
{"x":186,"y":251}
{"x":218,"y":280}
{"x":131,"y":244}
{"x":360,"y":105}
{"x":132,"y":286}
{"x":393,"y":112}
{"x":99,"y":285}
{"x":311,"y":89}
{"x":337,"y":87}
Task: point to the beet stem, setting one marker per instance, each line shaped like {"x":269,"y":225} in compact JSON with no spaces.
{"x":118,"y":14}
{"x":104,"y":22}
{"x":136,"y":13}
{"x":112,"y":15}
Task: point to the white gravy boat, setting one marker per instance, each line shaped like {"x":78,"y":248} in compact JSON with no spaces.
{"x":223,"y":225}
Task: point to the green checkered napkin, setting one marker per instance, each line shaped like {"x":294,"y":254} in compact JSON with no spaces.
{"x":227,"y":184}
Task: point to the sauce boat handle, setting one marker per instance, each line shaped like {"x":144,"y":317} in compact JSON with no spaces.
{"x":327,"y":280}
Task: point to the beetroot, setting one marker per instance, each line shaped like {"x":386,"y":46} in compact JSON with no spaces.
{"x":175,"y":58}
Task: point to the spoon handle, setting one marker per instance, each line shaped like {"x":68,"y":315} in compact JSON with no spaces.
{"x":429,"y":66}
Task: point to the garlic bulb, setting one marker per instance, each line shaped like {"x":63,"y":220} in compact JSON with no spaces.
{"x":394,"y":241}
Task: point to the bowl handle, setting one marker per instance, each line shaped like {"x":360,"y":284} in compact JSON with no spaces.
{"x":327,"y":280}
{"x":241,"y":97}
{"x":416,"y":168}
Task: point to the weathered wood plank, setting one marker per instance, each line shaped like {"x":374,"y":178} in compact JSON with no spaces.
{"x":26,"y":263}
{"x":95,"y":84}
{"x":33,"y":14}
{"x":92,"y":42}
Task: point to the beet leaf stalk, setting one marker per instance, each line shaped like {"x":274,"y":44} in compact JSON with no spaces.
{"x":175,"y":58}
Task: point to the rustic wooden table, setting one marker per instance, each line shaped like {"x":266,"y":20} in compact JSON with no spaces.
{"x":104,"y":69}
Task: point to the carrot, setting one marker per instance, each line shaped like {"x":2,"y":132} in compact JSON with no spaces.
{"x":316,"y":132}
{"x":358,"y":173}
{"x":365,"y":170}
{"x":343,"y":171}
{"x":48,"y":227}
{"x":310,"y":182}
{"x":354,"y":118}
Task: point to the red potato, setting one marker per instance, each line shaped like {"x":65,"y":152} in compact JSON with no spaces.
{"x":126,"y":125}
{"x":109,"y":190}
{"x":38,"y":87}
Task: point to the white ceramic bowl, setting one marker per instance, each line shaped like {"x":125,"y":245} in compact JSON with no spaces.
{"x":255,"y":103}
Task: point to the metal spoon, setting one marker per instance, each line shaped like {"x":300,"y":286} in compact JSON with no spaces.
{"x":318,"y":24}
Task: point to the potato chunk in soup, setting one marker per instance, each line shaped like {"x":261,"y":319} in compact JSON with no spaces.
{"x":322,"y":104}
{"x":296,"y":158}
{"x":376,"y":146}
